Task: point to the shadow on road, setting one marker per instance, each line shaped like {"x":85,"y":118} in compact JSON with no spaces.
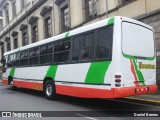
{"x":93,"y":104}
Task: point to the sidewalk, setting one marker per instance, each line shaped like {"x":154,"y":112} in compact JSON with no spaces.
{"x":150,"y":99}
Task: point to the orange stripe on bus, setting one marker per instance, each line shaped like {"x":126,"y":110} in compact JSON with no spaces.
{"x":134,"y":74}
{"x":29,"y":85}
{"x":88,"y":92}
{"x":83,"y":92}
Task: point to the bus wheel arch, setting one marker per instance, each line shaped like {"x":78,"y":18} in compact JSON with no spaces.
{"x":49,"y":88}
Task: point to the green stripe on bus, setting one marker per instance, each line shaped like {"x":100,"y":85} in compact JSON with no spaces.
{"x":96,"y":72}
{"x":12,"y":72}
{"x":110,"y":21}
{"x":139,"y":73}
{"x":128,"y":56}
{"x":67,"y":35}
{"x":52,"y":71}
{"x":133,"y":57}
{"x":150,"y":58}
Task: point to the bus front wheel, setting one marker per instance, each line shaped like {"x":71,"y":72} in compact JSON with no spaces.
{"x":11,"y":84}
{"x":50,"y":90}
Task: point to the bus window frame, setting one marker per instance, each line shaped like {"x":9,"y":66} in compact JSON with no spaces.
{"x":40,"y":55}
{"x":95,"y":59}
{"x":69,"y":59}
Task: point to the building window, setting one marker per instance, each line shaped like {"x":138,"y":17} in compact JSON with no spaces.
{"x":23,"y":3}
{"x":65,"y":18}
{"x":24,"y":30}
{"x":120,"y":2}
{"x":2,"y":48}
{"x":14,"y":8}
{"x":34,"y":34}
{"x":24,"y":38}
{"x":7,"y":17}
{"x":15,"y":41}
{"x":1,"y":20}
{"x":46,"y":14}
{"x":8,"y":45}
{"x":48,"y":26}
{"x":34,"y":28}
{"x":64,"y":14}
{"x":90,"y":9}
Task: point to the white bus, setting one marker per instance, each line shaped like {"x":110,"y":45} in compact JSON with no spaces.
{"x":112,"y":58}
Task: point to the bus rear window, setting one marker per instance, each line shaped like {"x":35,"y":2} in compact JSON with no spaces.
{"x":137,"y":40}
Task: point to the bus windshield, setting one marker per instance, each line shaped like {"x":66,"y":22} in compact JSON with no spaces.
{"x":137,"y":40}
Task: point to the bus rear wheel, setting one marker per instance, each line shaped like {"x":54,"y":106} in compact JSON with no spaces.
{"x":50,"y":90}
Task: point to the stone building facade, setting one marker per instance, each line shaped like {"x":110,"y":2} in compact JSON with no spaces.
{"x":24,"y":22}
{"x":153,"y":19}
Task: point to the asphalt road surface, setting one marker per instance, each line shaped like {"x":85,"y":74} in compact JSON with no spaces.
{"x":83,"y":109}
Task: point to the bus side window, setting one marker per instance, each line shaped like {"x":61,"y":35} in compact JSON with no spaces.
{"x":78,"y":43}
{"x":89,"y":47}
{"x":10,"y":60}
{"x":43,"y":50}
{"x":49,"y":48}
{"x":46,"y":53}
{"x":13,"y":60}
{"x":104,"y":42}
{"x":83,"y":47}
{"x":34,"y":56}
{"x":24,"y":58}
{"x":62,"y":51}
{"x":16,"y":59}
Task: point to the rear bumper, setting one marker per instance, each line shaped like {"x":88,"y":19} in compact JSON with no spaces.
{"x":133,"y":91}
{"x":102,"y":93}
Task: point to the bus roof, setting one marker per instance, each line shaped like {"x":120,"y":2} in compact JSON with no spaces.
{"x":77,"y":31}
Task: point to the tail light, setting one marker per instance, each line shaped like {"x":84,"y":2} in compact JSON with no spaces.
{"x":117,"y":76}
{"x":117,"y":80}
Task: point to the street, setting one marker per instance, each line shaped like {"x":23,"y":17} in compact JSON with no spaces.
{"x":28,"y":100}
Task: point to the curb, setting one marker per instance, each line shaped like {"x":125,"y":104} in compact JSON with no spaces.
{"x":143,"y":101}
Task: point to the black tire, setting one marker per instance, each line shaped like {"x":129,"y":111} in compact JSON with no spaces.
{"x":50,"y":90}
{"x":11,"y":85}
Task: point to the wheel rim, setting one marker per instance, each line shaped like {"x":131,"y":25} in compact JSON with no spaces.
{"x":11,"y":84}
{"x":49,"y":89}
